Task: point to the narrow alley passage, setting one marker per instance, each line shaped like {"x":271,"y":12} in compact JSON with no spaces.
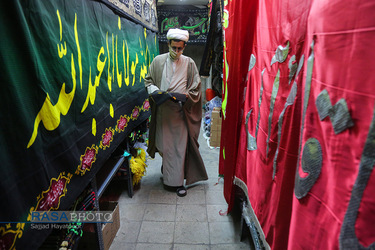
{"x":155,"y":218}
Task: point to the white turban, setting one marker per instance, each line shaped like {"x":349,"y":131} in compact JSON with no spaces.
{"x":178,"y":34}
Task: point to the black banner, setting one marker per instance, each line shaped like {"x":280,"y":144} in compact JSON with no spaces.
{"x":195,"y":21}
{"x":143,"y":12}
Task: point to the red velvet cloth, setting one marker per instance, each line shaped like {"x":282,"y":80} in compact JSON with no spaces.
{"x":237,"y":48}
{"x":343,"y":32}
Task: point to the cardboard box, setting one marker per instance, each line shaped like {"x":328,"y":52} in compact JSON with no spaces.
{"x":216,"y":122}
{"x":109,"y":230}
{"x":216,"y":116}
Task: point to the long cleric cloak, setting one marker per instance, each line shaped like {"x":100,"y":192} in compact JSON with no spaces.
{"x":194,"y":167}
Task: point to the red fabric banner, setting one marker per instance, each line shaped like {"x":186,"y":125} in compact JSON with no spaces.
{"x":237,"y":48}
{"x":301,"y":104}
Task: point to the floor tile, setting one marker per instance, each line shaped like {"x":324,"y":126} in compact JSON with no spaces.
{"x":156,"y":232}
{"x":223,"y":232}
{"x":215,"y":184}
{"x":200,"y":185}
{"x":140,"y":196}
{"x":235,"y":246}
{"x":190,"y":247}
{"x":146,"y":246}
{"x":116,"y":245}
{"x":193,"y":196}
{"x":128,"y":232}
{"x":191,"y":232}
{"x":160,"y":212}
{"x":162,"y":197}
{"x":152,"y":183}
{"x":212,"y":172}
{"x":191,"y":213}
{"x":132,"y":212}
{"x":215,"y":197}
{"x":218,"y":213}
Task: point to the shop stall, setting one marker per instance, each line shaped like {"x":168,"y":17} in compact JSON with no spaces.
{"x":72,"y":92}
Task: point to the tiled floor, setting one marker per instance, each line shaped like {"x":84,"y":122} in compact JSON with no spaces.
{"x":158,"y":219}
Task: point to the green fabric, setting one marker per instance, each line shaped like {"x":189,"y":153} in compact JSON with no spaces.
{"x":71,"y":71}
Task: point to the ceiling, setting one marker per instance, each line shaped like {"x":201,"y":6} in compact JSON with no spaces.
{"x":182,"y":2}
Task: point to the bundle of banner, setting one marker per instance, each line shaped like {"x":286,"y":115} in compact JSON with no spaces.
{"x":138,"y":165}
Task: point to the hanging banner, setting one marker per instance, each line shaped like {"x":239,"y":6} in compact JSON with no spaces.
{"x":299,"y":105}
{"x":192,"y":20}
{"x":335,"y":178}
{"x":72,"y":91}
{"x":139,"y":11}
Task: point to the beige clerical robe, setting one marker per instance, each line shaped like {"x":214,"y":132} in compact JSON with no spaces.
{"x":174,"y":129}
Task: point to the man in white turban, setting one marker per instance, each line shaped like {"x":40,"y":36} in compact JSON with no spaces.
{"x":174,"y":85}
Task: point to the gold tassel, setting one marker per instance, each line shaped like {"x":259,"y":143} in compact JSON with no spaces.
{"x":138,"y":165}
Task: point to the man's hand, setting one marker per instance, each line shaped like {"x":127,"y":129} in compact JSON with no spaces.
{"x":178,"y":97}
{"x":160,"y":97}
